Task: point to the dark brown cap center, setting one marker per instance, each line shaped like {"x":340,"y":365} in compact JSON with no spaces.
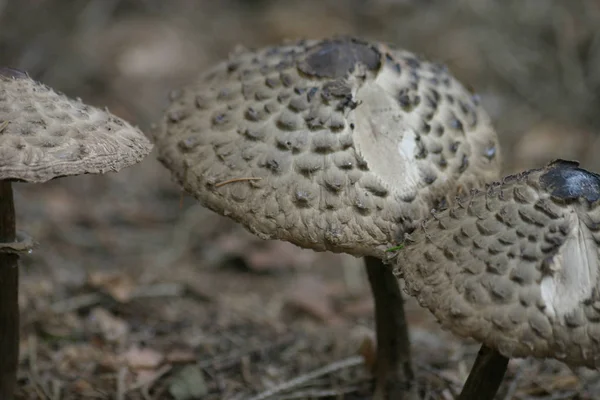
{"x":336,"y":58}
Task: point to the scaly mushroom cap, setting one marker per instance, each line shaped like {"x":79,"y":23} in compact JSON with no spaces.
{"x":330,"y":144}
{"x":45,"y":135}
{"x":517,"y":266}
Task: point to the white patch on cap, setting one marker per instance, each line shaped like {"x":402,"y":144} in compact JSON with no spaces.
{"x":576,"y":272}
{"x":384,"y":135}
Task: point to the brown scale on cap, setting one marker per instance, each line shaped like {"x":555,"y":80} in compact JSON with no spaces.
{"x":327,"y":144}
{"x":516,"y":266}
{"x":45,"y":135}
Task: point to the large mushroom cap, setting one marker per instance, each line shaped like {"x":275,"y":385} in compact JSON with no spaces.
{"x":45,"y":135}
{"x":517,"y":266}
{"x":327,"y":144}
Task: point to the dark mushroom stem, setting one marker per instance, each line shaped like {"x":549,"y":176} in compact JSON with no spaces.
{"x":9,"y":289}
{"x":394,"y":376}
{"x":486,"y":375}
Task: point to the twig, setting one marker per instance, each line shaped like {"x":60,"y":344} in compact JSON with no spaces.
{"x":246,"y":374}
{"x":34,"y":370}
{"x":319,"y":393}
{"x":3,"y":125}
{"x":449,"y":380}
{"x":228,"y":181}
{"x":56,"y":389}
{"x":551,"y":385}
{"x":121,"y":389}
{"x":76,"y":303}
{"x":38,"y":390}
{"x":338,"y":365}
{"x":222,"y":362}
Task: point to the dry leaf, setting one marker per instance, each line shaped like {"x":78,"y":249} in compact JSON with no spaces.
{"x":368,"y":350}
{"x":144,"y":376}
{"x":108,"y":362}
{"x":112,"y":328}
{"x":119,"y":286}
{"x":188,"y":384}
{"x":80,"y":357}
{"x":82,"y":386}
{"x":143,"y":358}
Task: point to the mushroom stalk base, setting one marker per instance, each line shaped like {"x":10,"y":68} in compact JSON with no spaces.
{"x":394,"y":376}
{"x":486,"y":375}
{"x":9,"y":307}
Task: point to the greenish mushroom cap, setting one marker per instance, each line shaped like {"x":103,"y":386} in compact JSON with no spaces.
{"x":335,"y":144}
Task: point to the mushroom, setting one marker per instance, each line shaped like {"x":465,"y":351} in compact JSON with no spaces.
{"x":516,"y":267}
{"x":333,"y":145}
{"x":45,"y":135}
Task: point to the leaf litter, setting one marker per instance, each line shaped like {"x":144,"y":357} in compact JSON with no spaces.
{"x":131,"y":292}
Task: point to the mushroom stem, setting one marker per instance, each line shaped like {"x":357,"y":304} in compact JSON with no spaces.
{"x":394,"y":376}
{"x":9,"y":307}
{"x":486,"y":375}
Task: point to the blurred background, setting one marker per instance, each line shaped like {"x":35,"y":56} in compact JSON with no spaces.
{"x":135,"y":291}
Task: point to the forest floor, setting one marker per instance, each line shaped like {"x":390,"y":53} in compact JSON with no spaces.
{"x":134,"y":291}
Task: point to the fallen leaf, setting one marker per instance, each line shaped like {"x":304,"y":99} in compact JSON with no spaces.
{"x":69,"y":324}
{"x":143,"y":358}
{"x":108,"y":362}
{"x":188,"y":384}
{"x":119,"y":286}
{"x":81,"y":357}
{"x":360,"y":340}
{"x":112,"y":328}
{"x":144,"y":376}
{"x":368,"y":350}
{"x":82,"y":386}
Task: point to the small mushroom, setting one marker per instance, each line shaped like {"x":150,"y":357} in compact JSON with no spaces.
{"x":45,"y":135}
{"x":334,"y":145}
{"x":517,"y":268}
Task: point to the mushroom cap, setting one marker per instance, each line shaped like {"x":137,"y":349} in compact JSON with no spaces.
{"x":46,"y":135}
{"x":333,"y":144}
{"x":516,"y":266}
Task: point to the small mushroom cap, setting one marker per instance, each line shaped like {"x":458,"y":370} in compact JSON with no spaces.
{"x":332,"y":144}
{"x":45,"y":135}
{"x":516,"y":266}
